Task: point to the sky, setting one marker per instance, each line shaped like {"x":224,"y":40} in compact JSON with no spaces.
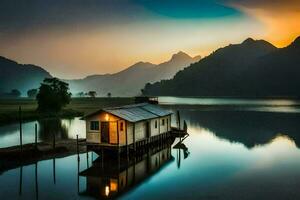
{"x":76,"y":38}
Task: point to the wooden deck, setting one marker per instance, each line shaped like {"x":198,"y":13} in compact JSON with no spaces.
{"x":138,"y":145}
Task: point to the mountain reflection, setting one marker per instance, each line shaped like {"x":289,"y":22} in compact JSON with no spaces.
{"x":110,"y":177}
{"x":249,"y":128}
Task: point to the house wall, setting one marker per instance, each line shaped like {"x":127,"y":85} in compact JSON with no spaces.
{"x":122,"y":133}
{"x":166,"y":127}
{"x":130,"y":132}
{"x":140,"y":130}
{"x":95,"y":136}
{"x":153,"y":130}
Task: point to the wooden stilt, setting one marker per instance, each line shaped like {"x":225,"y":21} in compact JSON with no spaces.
{"x":35,"y":140}
{"x":36,"y":181}
{"x":77,"y":147}
{"x":21,"y":131}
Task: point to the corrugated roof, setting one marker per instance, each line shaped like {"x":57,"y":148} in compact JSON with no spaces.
{"x":156,"y":110}
{"x":136,"y":112}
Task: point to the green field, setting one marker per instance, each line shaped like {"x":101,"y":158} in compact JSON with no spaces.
{"x":78,"y":106}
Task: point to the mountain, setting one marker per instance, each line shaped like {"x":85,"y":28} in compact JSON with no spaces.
{"x":20,"y":76}
{"x":130,"y":81}
{"x":254,"y":68}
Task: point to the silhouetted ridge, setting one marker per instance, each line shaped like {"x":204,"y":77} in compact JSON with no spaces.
{"x":20,"y":76}
{"x":180,"y":55}
{"x":254,"y":68}
{"x":249,"y":41}
{"x":296,"y":42}
{"x":131,"y":80}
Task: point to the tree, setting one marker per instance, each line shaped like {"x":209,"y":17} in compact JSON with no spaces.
{"x":53,"y":95}
{"x":92,"y":94}
{"x":81,"y":94}
{"x":109,"y":95}
{"x":15,"y":93}
{"x":32,"y":93}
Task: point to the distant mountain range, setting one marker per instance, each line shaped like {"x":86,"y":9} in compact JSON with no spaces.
{"x":128,"y":82}
{"x":18,"y":76}
{"x":254,"y":68}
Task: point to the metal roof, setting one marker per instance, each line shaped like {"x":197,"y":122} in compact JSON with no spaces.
{"x":136,"y":112}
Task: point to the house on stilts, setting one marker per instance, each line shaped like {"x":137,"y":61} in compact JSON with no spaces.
{"x":126,"y":127}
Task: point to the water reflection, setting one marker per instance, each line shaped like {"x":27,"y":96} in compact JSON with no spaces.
{"x":229,"y":155}
{"x":47,"y":128}
{"x":109,"y":178}
{"x":248,"y":128}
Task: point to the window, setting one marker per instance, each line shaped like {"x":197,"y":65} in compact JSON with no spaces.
{"x":155,"y":123}
{"x":121,"y":126}
{"x":163,"y":122}
{"x":94,"y":125}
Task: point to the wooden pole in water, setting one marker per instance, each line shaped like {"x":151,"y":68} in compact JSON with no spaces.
{"x":184,"y":126}
{"x":36,"y":181}
{"x":35,"y":131}
{"x":77,"y":147}
{"x":21,"y":180}
{"x":54,"y":171}
{"x":21,"y":132}
{"x":54,"y":140}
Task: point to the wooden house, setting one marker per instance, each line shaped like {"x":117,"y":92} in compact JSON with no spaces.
{"x":127,"y":125}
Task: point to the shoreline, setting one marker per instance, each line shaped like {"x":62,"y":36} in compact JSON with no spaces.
{"x":9,"y":108}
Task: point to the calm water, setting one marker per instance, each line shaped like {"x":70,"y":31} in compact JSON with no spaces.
{"x":231,"y":154}
{"x":62,"y":128}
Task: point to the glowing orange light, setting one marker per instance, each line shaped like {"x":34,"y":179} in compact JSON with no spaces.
{"x":106,"y":117}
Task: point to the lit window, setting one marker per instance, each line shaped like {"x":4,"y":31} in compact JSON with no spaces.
{"x":94,"y":125}
{"x":163,"y":122}
{"x":155,"y":123}
{"x":106,"y":117}
{"x":121,"y":126}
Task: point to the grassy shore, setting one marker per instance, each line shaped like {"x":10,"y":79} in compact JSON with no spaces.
{"x":78,"y":107}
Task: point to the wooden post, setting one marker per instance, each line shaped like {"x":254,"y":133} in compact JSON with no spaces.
{"x":77,"y":147}
{"x":35,"y":131}
{"x":126,"y":135}
{"x":36,"y":181}
{"x":134,"y":142}
{"x":21,"y":180}
{"x":118,"y":136}
{"x":53,"y":140}
{"x":87,"y":160}
{"x":78,"y":170}
{"x":184,"y":126}
{"x":54,"y":172}
{"x":21,"y":132}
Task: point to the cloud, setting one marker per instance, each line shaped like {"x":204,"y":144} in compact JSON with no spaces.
{"x":32,"y":15}
{"x":281,"y":18}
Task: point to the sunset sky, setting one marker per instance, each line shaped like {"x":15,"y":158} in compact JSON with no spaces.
{"x":76,"y":38}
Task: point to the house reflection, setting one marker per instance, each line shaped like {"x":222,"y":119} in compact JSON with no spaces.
{"x":110,"y":177}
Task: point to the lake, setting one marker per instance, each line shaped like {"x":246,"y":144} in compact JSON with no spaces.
{"x":245,"y":150}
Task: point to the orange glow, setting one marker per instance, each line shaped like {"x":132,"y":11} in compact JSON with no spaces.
{"x":113,"y":185}
{"x":106,"y":117}
{"x":280,"y":21}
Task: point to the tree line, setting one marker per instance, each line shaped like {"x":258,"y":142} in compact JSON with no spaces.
{"x":32,"y":93}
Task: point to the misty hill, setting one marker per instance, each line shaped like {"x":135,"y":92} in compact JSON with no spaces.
{"x":250,"y":69}
{"x":20,"y":76}
{"x":130,"y":81}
